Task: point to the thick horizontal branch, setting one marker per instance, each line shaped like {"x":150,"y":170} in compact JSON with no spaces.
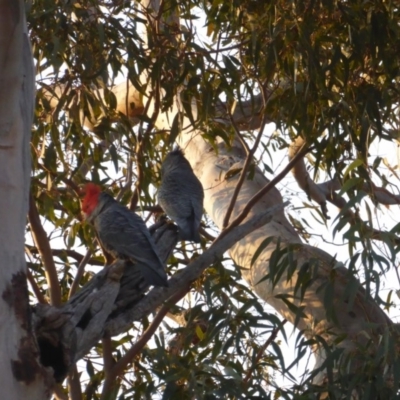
{"x":247,"y":115}
{"x":158,"y":295}
{"x":128,"y":99}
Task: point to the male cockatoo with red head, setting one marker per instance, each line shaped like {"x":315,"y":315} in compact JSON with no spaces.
{"x":123,"y":233}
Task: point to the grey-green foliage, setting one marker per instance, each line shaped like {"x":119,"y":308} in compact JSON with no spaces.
{"x":338,"y":67}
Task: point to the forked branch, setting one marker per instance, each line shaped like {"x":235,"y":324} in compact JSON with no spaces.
{"x":42,"y":243}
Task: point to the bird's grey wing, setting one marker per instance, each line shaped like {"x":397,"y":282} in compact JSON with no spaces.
{"x":174,"y":198}
{"x":127,"y":236}
{"x":197,"y":212}
{"x":196,"y":202}
{"x":181,"y":196}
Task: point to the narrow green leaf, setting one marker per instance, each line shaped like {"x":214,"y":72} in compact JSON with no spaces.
{"x":264,"y":244}
{"x":356,"y":163}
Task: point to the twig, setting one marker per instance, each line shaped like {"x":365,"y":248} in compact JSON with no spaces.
{"x":79,"y":274}
{"x":74,"y":384}
{"x":138,"y":184}
{"x":69,"y":183}
{"x":260,"y":353}
{"x":243,"y":173}
{"x":206,"y":234}
{"x":157,"y":296}
{"x":263,"y":191}
{"x":323,"y":192}
{"x":355,"y":219}
{"x":139,"y":149}
{"x":128,"y":182}
{"x":42,"y":243}
{"x":154,"y":22}
{"x":127,"y":108}
{"x":67,"y":252}
{"x":108,"y":360}
{"x":39,"y":295}
{"x":123,"y":362}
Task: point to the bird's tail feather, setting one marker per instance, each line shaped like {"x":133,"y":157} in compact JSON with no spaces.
{"x":192,"y":235}
{"x":189,"y":228}
{"x":153,"y":277}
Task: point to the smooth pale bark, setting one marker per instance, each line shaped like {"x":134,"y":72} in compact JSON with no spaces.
{"x":21,"y":375}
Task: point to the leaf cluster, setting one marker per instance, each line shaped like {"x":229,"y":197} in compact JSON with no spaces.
{"x":328,"y":71}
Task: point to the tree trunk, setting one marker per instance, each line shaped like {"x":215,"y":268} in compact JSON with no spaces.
{"x":21,"y":374}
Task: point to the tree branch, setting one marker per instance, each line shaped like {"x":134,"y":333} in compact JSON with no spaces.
{"x":158,"y":295}
{"x":108,"y":361}
{"x":114,"y":297}
{"x":323,"y":192}
{"x":260,"y":353}
{"x":42,"y":243}
{"x":262,"y":192}
{"x":68,"y":253}
{"x":303,"y":179}
{"x":243,"y":173}
{"x":124,"y":361}
{"x":79,"y":274}
{"x":123,"y":96}
{"x":41,"y":299}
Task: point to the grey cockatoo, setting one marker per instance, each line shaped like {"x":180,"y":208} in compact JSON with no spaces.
{"x":181,"y":195}
{"x":123,"y":233}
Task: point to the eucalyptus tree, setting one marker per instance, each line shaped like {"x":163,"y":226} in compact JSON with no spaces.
{"x":234,"y":84}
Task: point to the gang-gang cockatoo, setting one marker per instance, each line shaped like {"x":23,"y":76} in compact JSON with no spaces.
{"x":123,"y":233}
{"x":181,"y":195}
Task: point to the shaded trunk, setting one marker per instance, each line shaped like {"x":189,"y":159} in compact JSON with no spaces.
{"x":21,"y":375}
